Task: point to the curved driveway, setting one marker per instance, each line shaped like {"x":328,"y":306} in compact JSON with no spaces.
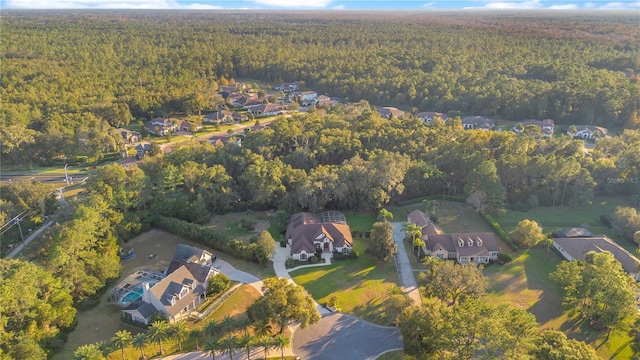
{"x":341,"y":336}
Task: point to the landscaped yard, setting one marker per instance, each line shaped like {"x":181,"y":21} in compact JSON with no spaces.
{"x":230,"y":224}
{"x":101,"y":322}
{"x":552,"y":218}
{"x":360,"y":285}
{"x":525,"y":283}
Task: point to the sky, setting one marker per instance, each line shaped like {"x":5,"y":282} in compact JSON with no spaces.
{"x":632,"y":5}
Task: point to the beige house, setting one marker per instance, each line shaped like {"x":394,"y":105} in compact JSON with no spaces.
{"x":464,"y":247}
{"x":326,"y":232}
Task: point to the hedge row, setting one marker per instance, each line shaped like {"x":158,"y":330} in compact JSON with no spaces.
{"x":497,"y":228}
{"x":207,"y":236}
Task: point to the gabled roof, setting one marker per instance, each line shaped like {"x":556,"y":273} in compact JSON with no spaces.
{"x":592,"y":129}
{"x":389,"y":112}
{"x":171,"y":286}
{"x":305,"y":228}
{"x":145,"y":309}
{"x":479,"y":121}
{"x":422,"y":219}
{"x":482,"y":243}
{"x":431,"y":115}
{"x":191,"y":253}
{"x":579,"y":247}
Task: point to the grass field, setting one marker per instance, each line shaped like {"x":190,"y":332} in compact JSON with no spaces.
{"x":360,"y":221}
{"x":359,"y":284}
{"x":230,"y":224}
{"x":552,"y":218}
{"x":525,"y":283}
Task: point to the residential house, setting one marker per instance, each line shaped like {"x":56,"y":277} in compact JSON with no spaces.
{"x":326,"y":101}
{"x":288,"y":87}
{"x":142,"y":150}
{"x":266,"y":110}
{"x":546,"y":126}
{"x":233,"y":88}
{"x":588,"y":132}
{"x":225,"y":116}
{"x":160,"y":126}
{"x":306,"y":98}
{"x":465,"y":248}
{"x":478,"y":122}
{"x":576,"y":244}
{"x":244,"y":100}
{"x":129,"y":136}
{"x":389,"y":112}
{"x":189,"y":126}
{"x":326,"y":232}
{"x":182,"y":290}
{"x":428,"y":116}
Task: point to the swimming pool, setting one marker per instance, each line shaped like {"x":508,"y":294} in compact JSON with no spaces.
{"x":134,"y":295}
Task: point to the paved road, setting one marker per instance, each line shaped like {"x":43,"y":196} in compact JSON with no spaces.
{"x":29,"y":238}
{"x":341,"y":336}
{"x":405,"y":272}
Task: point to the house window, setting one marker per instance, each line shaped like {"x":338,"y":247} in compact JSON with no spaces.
{"x":345,"y":250}
{"x":440,"y":256}
{"x":303,"y":256}
{"x":318,"y":247}
{"x":471,"y":258}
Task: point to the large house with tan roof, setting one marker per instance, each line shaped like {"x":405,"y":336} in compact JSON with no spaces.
{"x":463,"y":247}
{"x":575,"y":243}
{"x":180,"y":292}
{"x":327,"y":232}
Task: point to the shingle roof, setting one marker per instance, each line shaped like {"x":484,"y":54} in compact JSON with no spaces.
{"x":422,"y":219}
{"x":145,"y":309}
{"x":305,"y":227}
{"x":171,"y":285}
{"x":486,"y":244}
{"x":579,"y":247}
{"x":572,"y":233}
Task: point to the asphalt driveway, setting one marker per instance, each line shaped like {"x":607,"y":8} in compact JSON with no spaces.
{"x":341,"y":336}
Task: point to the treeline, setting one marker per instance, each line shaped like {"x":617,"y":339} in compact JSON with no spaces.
{"x":68,"y":76}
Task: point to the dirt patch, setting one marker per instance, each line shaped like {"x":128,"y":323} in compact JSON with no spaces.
{"x":261,"y":225}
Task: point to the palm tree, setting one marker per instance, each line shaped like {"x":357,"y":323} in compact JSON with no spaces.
{"x":196,"y":334}
{"x":246,"y":343}
{"x":229,"y":345}
{"x":244,"y":323}
{"x":212,"y":328}
{"x":121,"y":339}
{"x":394,"y":290}
{"x":265,"y":342}
{"x":385,"y":215}
{"x":179,"y":333}
{"x":280,"y":341}
{"x":88,"y":352}
{"x":211,"y":346}
{"x":227,"y":324}
{"x":139,"y":342}
{"x":419,"y":243}
{"x":105,"y":347}
{"x":262,"y":328}
{"x":159,"y":332}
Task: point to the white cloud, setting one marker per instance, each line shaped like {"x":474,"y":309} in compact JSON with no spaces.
{"x":589,"y":5}
{"x":295,"y":3}
{"x":529,"y":4}
{"x":428,"y":5}
{"x":339,"y":7}
{"x":564,"y":7}
{"x":635,"y":5}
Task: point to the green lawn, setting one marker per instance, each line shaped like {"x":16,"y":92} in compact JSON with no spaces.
{"x":552,"y":218}
{"x":525,"y":283}
{"x":360,"y":221}
{"x":359,"y":284}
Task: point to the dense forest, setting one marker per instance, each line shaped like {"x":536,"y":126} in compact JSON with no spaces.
{"x":68,"y":76}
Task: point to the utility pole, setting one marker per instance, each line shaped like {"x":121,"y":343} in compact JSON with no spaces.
{"x":66,"y":175}
{"x":16,"y":220}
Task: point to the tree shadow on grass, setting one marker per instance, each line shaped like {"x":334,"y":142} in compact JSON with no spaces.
{"x":538,"y":266}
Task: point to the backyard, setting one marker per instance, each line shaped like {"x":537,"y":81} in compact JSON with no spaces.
{"x":154,"y":250}
{"x":237,"y":225}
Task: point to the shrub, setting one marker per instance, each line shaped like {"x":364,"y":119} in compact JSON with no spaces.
{"x":206,"y":236}
{"x":433,"y":218}
{"x":313,"y":259}
{"x":218,"y":283}
{"x":605,"y":219}
{"x":248,"y":224}
{"x":354,"y":254}
{"x":289,"y":263}
{"x":504,"y":258}
{"x":283,"y":243}
{"x":498,"y":229}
